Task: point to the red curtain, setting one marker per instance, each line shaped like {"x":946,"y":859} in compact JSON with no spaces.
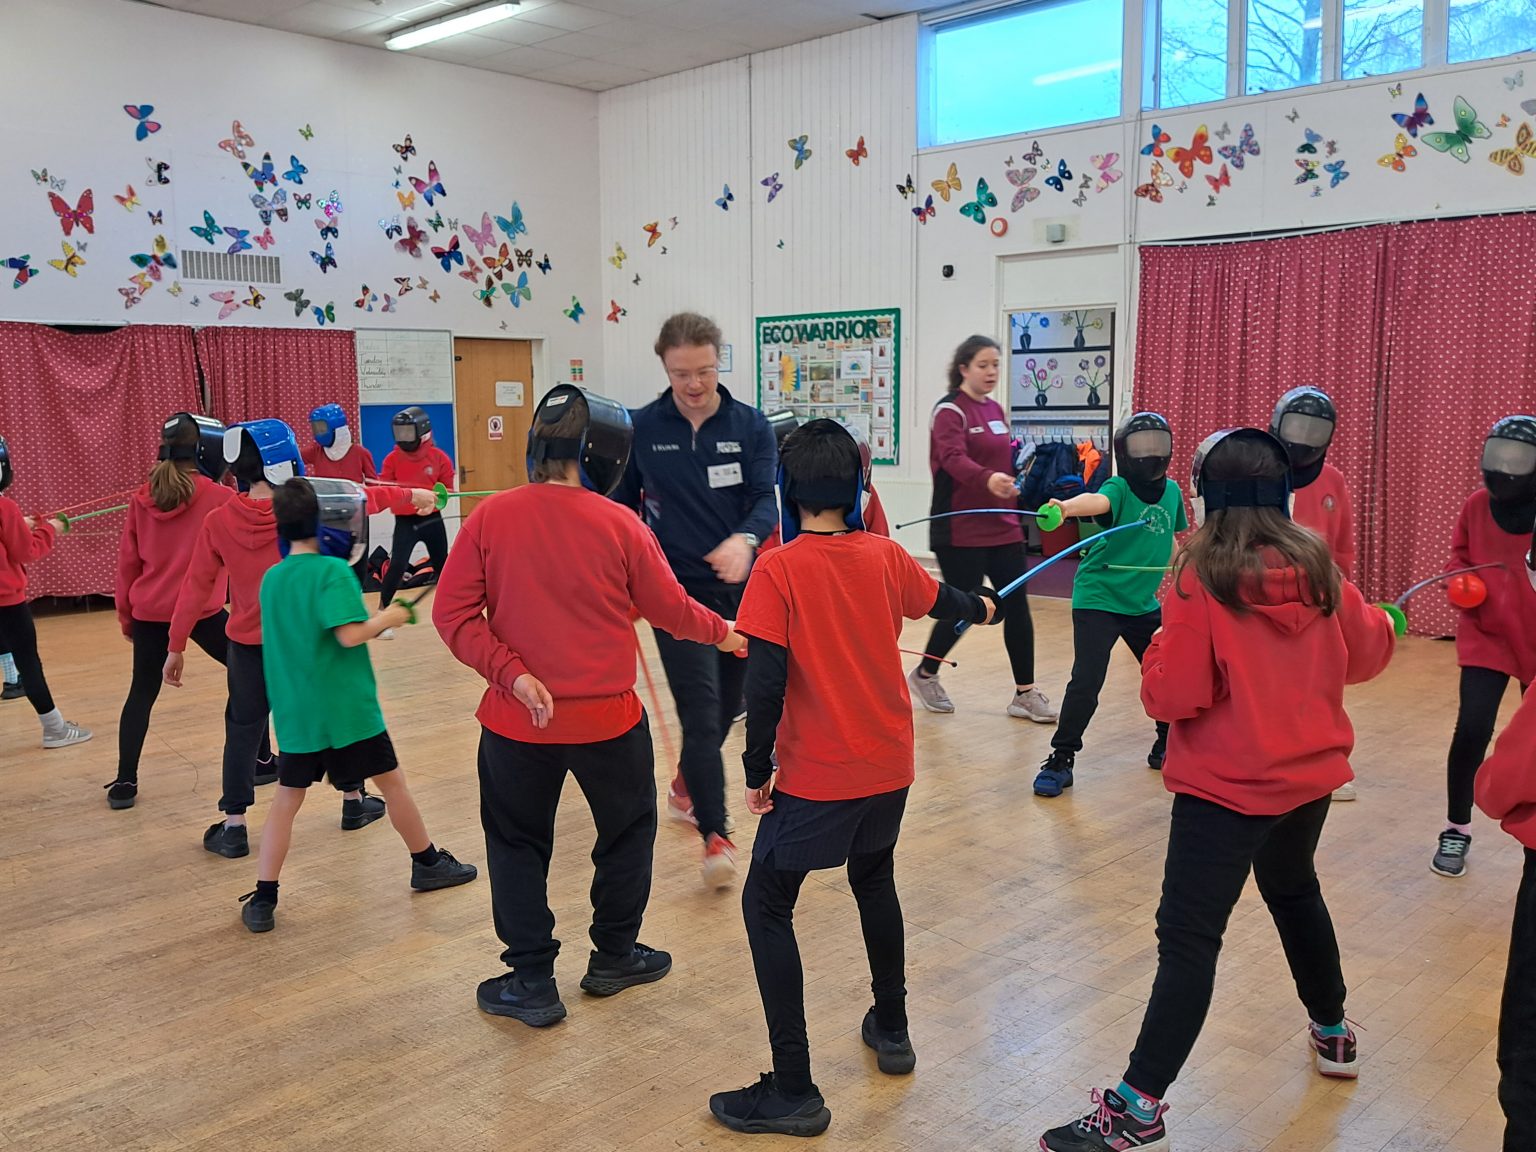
{"x":82,"y":416}
{"x":256,"y":373}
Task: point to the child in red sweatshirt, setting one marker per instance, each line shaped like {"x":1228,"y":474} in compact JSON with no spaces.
{"x":536,"y":598}
{"x":414,"y":462}
{"x":24,"y":539}
{"x":1495,"y":640}
{"x":1257,"y":644}
{"x":333,"y":453}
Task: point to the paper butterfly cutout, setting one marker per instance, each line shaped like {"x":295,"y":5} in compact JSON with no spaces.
{"x":518,"y":292}
{"x":305,"y":202}
{"x":277,"y":206}
{"x":482,"y":237}
{"x":924,"y":212}
{"x":637,"y":280}
{"x":575,"y":310}
{"x":1293,"y":115}
{"x":1468,"y":129}
{"x":453,"y":223}
{"x":402,"y":285}
{"x":1199,"y":151}
{"x":331,"y":204}
{"x":175,"y":289}
{"x":23,"y":269}
{"x":1513,"y":159}
{"x":674,"y":223}
{"x":130,"y":296}
{"x":1402,"y":150}
{"x":254,"y":299}
{"x":329,"y":229}
{"x":141,"y":113}
{"x":434,"y":297}
{"x":1159,"y":138}
{"x":407,"y":199}
{"x":501,"y":261}
{"x":327,"y":261}
{"x":79,"y":215}
{"x":614,"y":311}
{"x":487,"y":295}
{"x":263,"y":175}
{"x":802,"y":153}
{"x":503,"y":325}
{"x":1224,"y":131}
{"x":324,"y":314}
{"x":238,"y":235}
{"x":1222,"y":179}
{"x":525,"y":257}
{"x":1394,"y":90}
{"x":435,"y":222}
{"x":389,"y":303}
{"x":307,"y":132}
{"x":1024,"y":191}
{"x":1210,"y":201}
{"x":619,"y":256}
{"x":1515,"y":81}
{"x":230,"y":304}
{"x":772,"y":184}
{"x":1330,"y":147}
{"x":1108,"y":173}
{"x":144,"y":281}
{"x":1308,"y":170}
{"x":265,"y":240}
{"x":545,"y":265}
{"x":949,"y":183}
{"x":1087,"y":181}
{"x":723,"y":201}
{"x":1035,"y":154}
{"x":71,"y":262}
{"x":1337,"y":173}
{"x":856,"y":153}
{"x":411,"y":242}
{"x":1063,"y":174}
{"x":908,"y":188}
{"x":130,"y":200}
{"x":54,"y":182}
{"x":366,"y":300}
{"x":391,"y":226}
{"x":1411,"y":122}
{"x":450,"y":255}
{"x":296,"y":171}
{"x":1309,"y":145}
{"x":298,"y":300}
{"x":1153,"y":189}
{"x":239,"y":140}
{"x":1246,"y":146}
{"x":1080,"y":199}
{"x":406,"y":149}
{"x":431,"y":186}
{"x":154,"y":261}
{"x":157,"y":217}
{"x":1503,"y":120}
{"x":210,"y":231}
{"x":511,"y":228}
{"x":653,"y":233}
{"x":421,"y":282}
{"x":976,"y":209}
{"x":157,"y":170}
{"x":472,"y":271}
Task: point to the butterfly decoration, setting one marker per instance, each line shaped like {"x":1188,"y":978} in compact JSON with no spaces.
{"x":406,"y":149}
{"x":449,"y":255}
{"x":129,"y":200}
{"x":78,"y":216}
{"x":1223,"y":132}
{"x":1081,"y":198}
{"x":908,"y":188}
{"x":524,"y":257}
{"x":298,"y":300}
{"x":1108,"y":173}
{"x":391,"y":226}
{"x":153,"y":261}
{"x":307,"y":132}
{"x":158,"y":170}
{"x":674,"y":223}
{"x":1394,"y":90}
{"x":239,"y":140}
{"x":619,"y":256}
{"x":653,"y":233}
{"x":500,"y":262}
{"x":276,"y":206}
{"x":141,"y":113}
{"x":1308,"y":170}
{"x":1411,"y":122}
{"x":407,"y":199}
{"x":21,"y":265}
{"x":1503,"y":120}
{"x":144,"y":281}
{"x":511,"y":228}
{"x":1035,"y":155}
{"x":330,"y":204}
{"x":410,"y":243}
{"x":772,"y":184}
{"x":614,"y":311}
{"x":324,"y":315}
{"x":519,"y":291}
{"x":175,"y":289}
{"x":1183,"y":185}
{"x":503,"y":325}
{"x":254,"y":299}
{"x":263,"y":175}
{"x":453,"y":223}
{"x":421,"y":282}
{"x":54,"y":182}
{"x":781,"y":242}
{"x":1210,"y":201}
{"x":1402,"y":151}
{"x":802,"y":153}
{"x":196,"y":300}
{"x":1223,"y":179}
{"x":1309,"y":145}
{"x":544,"y":266}
{"x":472,"y":271}
{"x":1024,"y":191}
{"x":228,"y":301}
{"x":402,"y":285}
{"x":326,"y":260}
{"x":1246,"y":146}
{"x":431,"y":186}
{"x":663,"y":249}
{"x":482,"y":237}
{"x":72,"y":260}
{"x":1515,"y":81}
{"x":948,"y":183}
{"x":1512,"y":160}
{"x":924,"y":212}
{"x":1198,"y":152}
{"x":1337,"y":173}
{"x":723,"y":201}
{"x":239,"y":236}
{"x":304,"y":203}
{"x":434,"y":297}
{"x":157,"y":217}
{"x":296,"y":171}
{"x":856,"y":153}
{"x":329,"y":229}
{"x":130,"y":296}
{"x":1330,"y":147}
{"x":1468,"y":129}
{"x":389,"y":303}
{"x":435,"y":222}
{"x":1087,"y":181}
{"x":1293,"y":115}
{"x":1155,"y":146}
{"x":985,"y":198}
{"x":1158,"y":180}
{"x":367,"y":300}
{"x":1063,"y":174}
{"x":575,"y":310}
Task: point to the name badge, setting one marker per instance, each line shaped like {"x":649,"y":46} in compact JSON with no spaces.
{"x":724,"y":475}
{"x":998,"y":427}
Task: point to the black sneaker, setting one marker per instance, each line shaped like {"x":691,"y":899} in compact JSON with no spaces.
{"x":1055,"y":774}
{"x":227,"y":841}
{"x":266,"y":771}
{"x":893,"y":1050}
{"x":446,"y":873}
{"x":761,"y":1107}
{"x":257,"y":915}
{"x":1451,"y":853}
{"x":1110,"y":1127}
{"x":1158,"y":754}
{"x":535,"y":1002}
{"x":121,"y":793}
{"x":360,"y":813}
{"x":609,"y":974}
{"x":12,"y":690}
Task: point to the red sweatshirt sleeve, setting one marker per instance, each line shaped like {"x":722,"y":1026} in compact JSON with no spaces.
{"x":22,"y":544}
{"x":387,"y":472}
{"x":1461,"y":542}
{"x":458,"y":613}
{"x":196,"y":587}
{"x":1506,"y":783}
{"x":445,"y":469}
{"x":388,"y":497}
{"x":1344,"y":546}
{"x":369,"y":472}
{"x":655,"y":591}
{"x":1179,"y":676}
{"x":1368,"y":635}
{"x":129,"y":565}
{"x":948,"y":433}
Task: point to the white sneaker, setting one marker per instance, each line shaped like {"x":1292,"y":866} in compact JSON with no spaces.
{"x":719,"y":862}
{"x":387,"y":634}
{"x":71,"y":733}
{"x":680,"y":807}
{"x":1345,"y":791}
{"x":929,"y":692}
{"x":1032,"y":704}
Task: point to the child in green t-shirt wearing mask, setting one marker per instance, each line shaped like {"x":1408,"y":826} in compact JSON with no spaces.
{"x":325,"y":704}
{"x":1114,"y":596}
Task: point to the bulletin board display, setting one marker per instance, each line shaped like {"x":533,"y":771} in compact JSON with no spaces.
{"x":836,"y":365}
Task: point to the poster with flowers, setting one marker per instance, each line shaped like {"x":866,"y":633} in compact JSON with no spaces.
{"x":1061,"y":360}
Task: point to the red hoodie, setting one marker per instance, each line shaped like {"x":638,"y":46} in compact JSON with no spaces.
{"x":1506,"y":783}
{"x":1256,"y":701}
{"x":540,"y":580}
{"x":241,"y":539}
{"x":355,"y":464}
{"x":19,"y":546}
{"x":1324,"y":507}
{"x":156,"y":547}
{"x":423,"y":468}
{"x":1500,"y":633}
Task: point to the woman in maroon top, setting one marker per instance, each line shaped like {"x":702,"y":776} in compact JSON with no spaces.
{"x":971,"y":455}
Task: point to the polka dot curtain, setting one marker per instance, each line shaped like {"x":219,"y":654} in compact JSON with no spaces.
{"x":258,"y":373}
{"x":82,"y":415}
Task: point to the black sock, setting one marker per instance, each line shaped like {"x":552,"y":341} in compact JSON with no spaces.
{"x":891,"y":1015}
{"x":794,"y":1084}
{"x":427,"y":856}
{"x":266,"y":892}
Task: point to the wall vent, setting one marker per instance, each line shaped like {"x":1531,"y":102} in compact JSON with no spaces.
{"x":242,"y":268}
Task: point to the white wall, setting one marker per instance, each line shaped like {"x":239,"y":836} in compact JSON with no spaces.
{"x":494,"y":139}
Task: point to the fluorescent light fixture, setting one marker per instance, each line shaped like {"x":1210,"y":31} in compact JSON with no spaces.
{"x":454,"y":25}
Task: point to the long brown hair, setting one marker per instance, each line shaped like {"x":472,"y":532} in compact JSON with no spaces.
{"x":172,"y":482}
{"x":963,"y":356}
{"x":1227,"y":552}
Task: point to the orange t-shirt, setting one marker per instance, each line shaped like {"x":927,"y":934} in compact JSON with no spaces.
{"x":837,"y":604}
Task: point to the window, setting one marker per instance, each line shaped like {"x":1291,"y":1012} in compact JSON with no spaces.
{"x":1480,"y":29}
{"x":1191,"y":52}
{"x":1382,"y":36}
{"x":1285,"y":44}
{"x":1037,"y":66}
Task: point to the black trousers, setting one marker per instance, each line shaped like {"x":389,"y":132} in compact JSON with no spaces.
{"x":245,"y":726}
{"x":1482,"y":690}
{"x":1094,"y":633}
{"x":18,"y":636}
{"x":1210,"y":850}
{"x":520,"y":787}
{"x":409,"y":531}
{"x":706,"y":687}
{"x":1517,"y":1021}
{"x":965,"y":569}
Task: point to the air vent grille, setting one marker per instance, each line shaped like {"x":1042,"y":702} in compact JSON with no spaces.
{"x":241,"y":268}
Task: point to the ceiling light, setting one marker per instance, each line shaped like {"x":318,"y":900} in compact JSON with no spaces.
{"x":459,"y":22}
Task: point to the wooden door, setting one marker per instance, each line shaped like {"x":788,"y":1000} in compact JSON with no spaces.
{"x":487,"y":464}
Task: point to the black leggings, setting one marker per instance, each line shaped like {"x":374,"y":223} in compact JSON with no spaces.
{"x":1517,"y":1021}
{"x":965,"y":568}
{"x":409,"y":530}
{"x":18,"y":636}
{"x":1482,"y":690}
{"x":1094,"y":633}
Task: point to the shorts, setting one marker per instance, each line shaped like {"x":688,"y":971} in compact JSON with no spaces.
{"x":802,"y":835}
{"x":347,"y":766}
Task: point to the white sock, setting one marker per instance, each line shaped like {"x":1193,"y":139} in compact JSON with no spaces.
{"x":53,"y":722}
{"x":8,"y":668}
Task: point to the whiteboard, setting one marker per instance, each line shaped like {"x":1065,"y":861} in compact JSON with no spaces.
{"x":400,"y":367}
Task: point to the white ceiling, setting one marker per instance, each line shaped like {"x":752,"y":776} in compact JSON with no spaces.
{"x":593,"y":44}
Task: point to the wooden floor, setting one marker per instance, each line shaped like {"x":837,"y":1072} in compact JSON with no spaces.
{"x":137,"y":1013}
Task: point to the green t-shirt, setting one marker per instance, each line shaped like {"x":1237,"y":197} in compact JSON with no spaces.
{"x":1129,"y":593}
{"x":322,"y":694}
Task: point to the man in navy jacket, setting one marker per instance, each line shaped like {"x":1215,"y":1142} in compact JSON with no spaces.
{"x":702,"y":474}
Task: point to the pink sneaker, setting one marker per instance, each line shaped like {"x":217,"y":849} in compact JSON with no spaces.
{"x":1336,"y":1055}
{"x":679,"y":803}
